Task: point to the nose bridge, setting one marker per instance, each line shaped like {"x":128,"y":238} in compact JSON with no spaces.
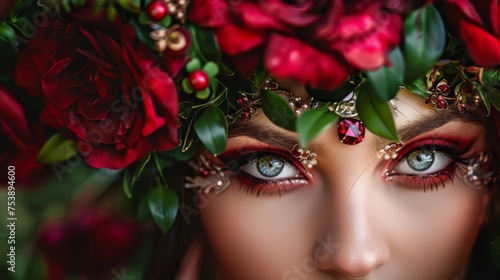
{"x":357,"y":238}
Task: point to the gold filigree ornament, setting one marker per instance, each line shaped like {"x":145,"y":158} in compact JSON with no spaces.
{"x":390,"y":151}
{"x":306,"y":157}
{"x":209,"y":177}
{"x":171,"y":38}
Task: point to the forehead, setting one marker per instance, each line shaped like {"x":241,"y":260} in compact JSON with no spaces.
{"x":412,"y":117}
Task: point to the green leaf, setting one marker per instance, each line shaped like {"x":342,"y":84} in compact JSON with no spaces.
{"x":163,"y":204}
{"x":312,"y":122}
{"x":203,"y":94}
{"x":211,"y":68}
{"x":493,"y":96}
{"x":278,"y":110}
{"x":211,"y":128}
{"x":57,"y":149}
{"x":166,"y":22}
{"x":188,"y":138}
{"x":424,"y":41}
{"x":130,"y":178}
{"x":491,"y":77}
{"x":111,"y":13}
{"x":7,"y":34}
{"x":204,"y":43}
{"x":418,"y":87}
{"x":332,"y":95}
{"x":375,"y":114}
{"x":260,"y":75}
{"x":131,"y":5}
{"x":159,"y":168}
{"x":186,"y":87}
{"x":142,"y":32}
{"x":485,"y":98}
{"x":386,"y":80}
{"x":193,"y":64}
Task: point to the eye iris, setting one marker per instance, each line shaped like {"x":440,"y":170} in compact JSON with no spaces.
{"x":421,"y":160}
{"x":269,"y":166}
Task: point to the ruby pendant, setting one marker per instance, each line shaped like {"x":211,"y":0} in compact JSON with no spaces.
{"x":351,"y":131}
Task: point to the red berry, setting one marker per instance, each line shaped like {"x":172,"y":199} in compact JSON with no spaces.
{"x":157,"y":10}
{"x":198,"y":80}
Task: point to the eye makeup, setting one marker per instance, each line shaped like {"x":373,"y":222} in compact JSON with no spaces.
{"x":266,"y":170}
{"x":428,"y":163}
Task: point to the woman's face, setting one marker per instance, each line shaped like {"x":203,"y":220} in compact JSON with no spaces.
{"x":358,"y":216}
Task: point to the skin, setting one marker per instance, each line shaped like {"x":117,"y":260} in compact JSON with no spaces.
{"x":349,"y":222}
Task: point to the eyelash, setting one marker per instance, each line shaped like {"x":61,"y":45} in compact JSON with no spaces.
{"x":459,"y":154}
{"x":234,"y":161}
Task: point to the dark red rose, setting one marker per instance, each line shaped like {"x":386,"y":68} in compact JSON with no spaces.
{"x":19,"y":142}
{"x":91,"y":242}
{"x":317,"y":43}
{"x":102,"y":87}
{"x":477,"y":23}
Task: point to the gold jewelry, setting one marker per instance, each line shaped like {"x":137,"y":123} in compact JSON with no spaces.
{"x":478,"y":173}
{"x":209,"y":177}
{"x":390,"y":151}
{"x":306,"y":157}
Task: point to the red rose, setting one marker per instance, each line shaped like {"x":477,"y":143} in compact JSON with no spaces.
{"x":90,"y":242}
{"x":317,"y":43}
{"x":102,"y":87}
{"x":20,"y":144}
{"x":477,"y":23}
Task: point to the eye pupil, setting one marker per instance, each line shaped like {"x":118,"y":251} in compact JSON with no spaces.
{"x":421,"y":160}
{"x":269,"y":166}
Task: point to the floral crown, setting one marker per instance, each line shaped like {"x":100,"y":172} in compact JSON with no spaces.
{"x":140,"y":84}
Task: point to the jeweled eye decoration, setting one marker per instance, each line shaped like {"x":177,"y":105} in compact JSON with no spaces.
{"x":306,"y":157}
{"x":478,"y":173}
{"x":390,"y":151}
{"x":209,"y":177}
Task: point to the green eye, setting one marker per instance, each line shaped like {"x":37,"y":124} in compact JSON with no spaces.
{"x":270,"y":166}
{"x":421,"y":160}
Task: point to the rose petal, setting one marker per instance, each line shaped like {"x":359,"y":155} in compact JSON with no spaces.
{"x":367,"y":48}
{"x":287,"y":57}
{"x":13,"y":123}
{"x":467,"y":9}
{"x":495,"y":17}
{"x":152,"y":121}
{"x":234,"y":40}
{"x":53,"y":86}
{"x":106,"y":156}
{"x":482,"y":46}
{"x":248,"y":62}
{"x":211,"y":13}
{"x":26,"y":74}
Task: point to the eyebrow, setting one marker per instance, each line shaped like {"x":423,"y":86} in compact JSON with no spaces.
{"x":265,"y":132}
{"x":435,"y":120}
{"x":273,"y":135}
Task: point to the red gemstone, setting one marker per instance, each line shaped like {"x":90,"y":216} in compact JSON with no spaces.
{"x":157,"y":10}
{"x":441,"y":103}
{"x":241,"y":100}
{"x":443,"y":89}
{"x":198,"y":80}
{"x":462,"y":107}
{"x":351,"y":131}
